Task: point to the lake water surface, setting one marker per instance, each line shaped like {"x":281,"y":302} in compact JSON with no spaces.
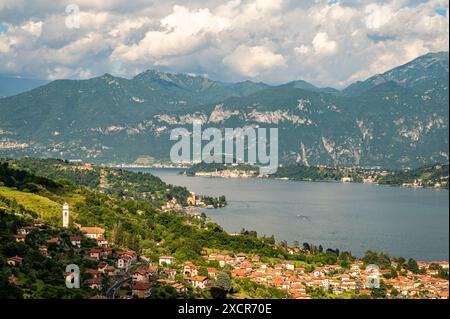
{"x":354,"y":217}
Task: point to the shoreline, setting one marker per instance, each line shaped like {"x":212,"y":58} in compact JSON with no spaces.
{"x":233,"y":231}
{"x":287,"y":179}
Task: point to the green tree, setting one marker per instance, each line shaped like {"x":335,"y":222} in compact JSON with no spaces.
{"x":412,"y":266}
{"x":223,"y":281}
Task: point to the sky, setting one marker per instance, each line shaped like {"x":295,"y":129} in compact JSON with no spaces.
{"x":327,"y":43}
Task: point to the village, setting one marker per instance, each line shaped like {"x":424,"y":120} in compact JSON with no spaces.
{"x":131,"y":275}
{"x":367,"y":175}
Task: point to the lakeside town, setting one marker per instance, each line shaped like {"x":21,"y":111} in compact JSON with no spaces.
{"x":435,"y":176}
{"x":128,"y":245}
{"x":125,"y":273}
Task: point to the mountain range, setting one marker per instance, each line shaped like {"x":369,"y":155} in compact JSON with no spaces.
{"x":395,"y":119}
{"x":11,"y":85}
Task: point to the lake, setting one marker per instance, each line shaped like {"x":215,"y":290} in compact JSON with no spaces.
{"x":354,"y":217}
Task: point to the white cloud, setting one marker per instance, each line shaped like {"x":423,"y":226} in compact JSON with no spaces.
{"x":252,"y":61}
{"x":323,"y":45}
{"x":302,"y":49}
{"x":377,"y":15}
{"x":181,"y":32}
{"x":326,"y":43}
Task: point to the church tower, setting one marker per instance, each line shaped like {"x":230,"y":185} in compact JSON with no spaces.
{"x":66,"y":215}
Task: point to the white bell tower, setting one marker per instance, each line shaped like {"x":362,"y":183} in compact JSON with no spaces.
{"x":65,"y":215}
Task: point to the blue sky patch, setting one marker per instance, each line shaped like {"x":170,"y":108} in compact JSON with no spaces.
{"x":441,"y":11}
{"x":3,"y":28}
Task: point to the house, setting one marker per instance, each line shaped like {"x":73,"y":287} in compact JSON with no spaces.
{"x":153,"y":270}
{"x":171,"y":205}
{"x":191,"y":200}
{"x":101,"y":267}
{"x":39,"y":225}
{"x":443,"y":264}
{"x":239,"y":273}
{"x":123,"y":262}
{"x":180,"y":288}
{"x":223,"y":260}
{"x":111,"y":271}
{"x":95,"y":253}
{"x":101,"y":242}
{"x":93,"y":232}
{"x":168,"y":260}
{"x":212,"y":272}
{"x":194,"y":215}
{"x":198,"y":281}
{"x":140,"y":275}
{"x":256,"y":258}
{"x":54,"y":241}
{"x":141,"y":289}
{"x":171,"y":273}
{"x":190,"y":270}
{"x":76,"y":240}
{"x":94,"y":283}
{"x":25,"y":230}
{"x":318,"y":272}
{"x":289,"y":266}
{"x":356,"y":266}
{"x":43,"y":250}
{"x":14,"y":261}
{"x":300,"y":270}
{"x":132,"y":254}
{"x":20,"y":238}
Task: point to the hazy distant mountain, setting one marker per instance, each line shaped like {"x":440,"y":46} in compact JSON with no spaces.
{"x":421,"y":74}
{"x":10,"y":85}
{"x":401,"y":120}
{"x":300,"y":84}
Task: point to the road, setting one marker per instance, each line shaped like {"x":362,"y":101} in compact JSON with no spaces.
{"x":111,"y":292}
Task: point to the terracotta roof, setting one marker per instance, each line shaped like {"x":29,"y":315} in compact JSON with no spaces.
{"x":199,"y":278}
{"x":153,"y":269}
{"x":92,"y":271}
{"x":54,"y":240}
{"x":94,"y":281}
{"x":140,"y":285}
{"x":92,"y":230}
{"x":140,"y":271}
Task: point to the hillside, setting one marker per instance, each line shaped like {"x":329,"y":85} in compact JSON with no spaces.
{"x":129,"y":224}
{"x":427,"y":72}
{"x":164,"y":248}
{"x":127,"y":185}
